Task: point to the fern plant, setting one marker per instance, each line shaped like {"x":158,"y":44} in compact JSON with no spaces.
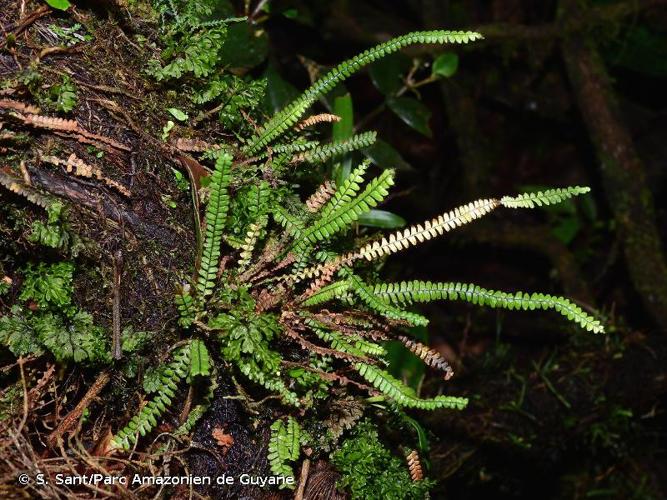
{"x":290,"y":277}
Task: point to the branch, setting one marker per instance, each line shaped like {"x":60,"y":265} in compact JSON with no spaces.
{"x":621,"y":170}
{"x":565,"y":27}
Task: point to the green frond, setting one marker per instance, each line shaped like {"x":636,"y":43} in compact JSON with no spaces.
{"x":322,"y":153}
{"x":200,"y":361}
{"x":249,"y":242}
{"x":284,"y":446}
{"x":293,"y":225}
{"x":413,"y":235}
{"x":548,"y":197}
{"x":426,"y":291}
{"x":327,"y":293}
{"x":404,"y":395}
{"x":298,"y":146}
{"x":348,"y":189}
{"x":365,"y":293}
{"x":147,"y":419}
{"x":216,"y":214}
{"x":186,"y":308}
{"x":349,"y":212}
{"x":288,"y":116}
{"x":334,"y":339}
{"x":198,"y":411}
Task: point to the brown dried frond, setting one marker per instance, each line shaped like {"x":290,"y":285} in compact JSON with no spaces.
{"x":75,"y":165}
{"x":269,"y":298}
{"x":322,"y":280}
{"x":322,"y":351}
{"x":315,"y":119}
{"x":342,"y":414}
{"x":321,"y":196}
{"x":415,"y":466}
{"x":16,"y":185}
{"x":193,"y":145}
{"x":18,"y":106}
{"x":430,"y":356}
{"x":223,"y":439}
{"x":70,"y":126}
{"x":51,"y":123}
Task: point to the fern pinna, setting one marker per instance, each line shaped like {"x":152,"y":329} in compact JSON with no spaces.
{"x":291,"y":277}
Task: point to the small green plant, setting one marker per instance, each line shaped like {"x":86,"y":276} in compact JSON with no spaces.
{"x":47,"y":320}
{"x":62,"y":96}
{"x":371,"y":471}
{"x":284,"y":446}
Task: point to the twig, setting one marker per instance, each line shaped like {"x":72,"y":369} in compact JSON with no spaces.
{"x":303,"y":479}
{"x":71,"y":418}
{"x":116,"y":349}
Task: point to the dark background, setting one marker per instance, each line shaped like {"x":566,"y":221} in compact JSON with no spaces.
{"x":557,"y":94}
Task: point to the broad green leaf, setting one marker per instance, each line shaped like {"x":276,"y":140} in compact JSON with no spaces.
{"x":245,"y":47}
{"x":200,"y":363}
{"x":445,"y":65}
{"x":384,"y":155}
{"x":412,"y":112}
{"x":344,"y":129}
{"x":381,"y":219}
{"x":178,"y":114}
{"x":59,"y":4}
{"x":387,"y":73}
{"x":279,"y":92}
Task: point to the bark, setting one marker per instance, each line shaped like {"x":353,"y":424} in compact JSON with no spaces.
{"x":622,"y":172}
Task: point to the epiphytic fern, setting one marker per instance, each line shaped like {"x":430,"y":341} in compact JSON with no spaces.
{"x":429,"y":356}
{"x":288,"y":116}
{"x":216,"y":213}
{"x":320,"y":154}
{"x":426,"y":291}
{"x":321,"y":196}
{"x":415,"y":466}
{"x":284,"y":446}
{"x":146,"y":419}
{"x":404,"y":395}
{"x":343,"y":216}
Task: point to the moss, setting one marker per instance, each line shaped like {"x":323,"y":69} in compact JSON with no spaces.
{"x":371,"y":471}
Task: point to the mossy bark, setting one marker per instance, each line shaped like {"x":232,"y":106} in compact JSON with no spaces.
{"x":622,"y":173}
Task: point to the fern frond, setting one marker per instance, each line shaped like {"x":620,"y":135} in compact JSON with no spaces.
{"x":298,"y":146}
{"x":216,"y":214}
{"x":200,"y":360}
{"x":327,"y":293}
{"x":404,"y":395}
{"x":198,"y":411}
{"x":284,"y":446}
{"x":429,"y":356}
{"x":248,"y":245}
{"x":334,"y":339}
{"x":322,"y":153}
{"x":548,"y":197}
{"x":321,"y":196}
{"x":186,"y":308}
{"x":367,"y":296}
{"x":426,"y":291}
{"x":292,"y":224}
{"x":347,"y":190}
{"x":413,"y":235}
{"x":17,"y":186}
{"x":315,"y":119}
{"x":288,"y":116}
{"x":415,"y":466}
{"x":146,"y":420}
{"x":349,"y":212}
